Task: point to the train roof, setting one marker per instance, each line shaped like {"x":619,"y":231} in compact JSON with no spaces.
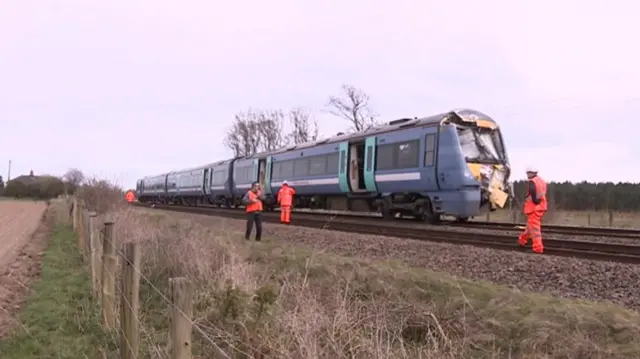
{"x":460,"y":116}
{"x":154,"y":176}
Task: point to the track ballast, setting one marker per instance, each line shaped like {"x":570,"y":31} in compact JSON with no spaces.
{"x":357,"y":224}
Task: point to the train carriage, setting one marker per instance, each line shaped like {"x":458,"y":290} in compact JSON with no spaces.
{"x":454,"y":163}
{"x":153,"y":189}
{"x":312,"y":169}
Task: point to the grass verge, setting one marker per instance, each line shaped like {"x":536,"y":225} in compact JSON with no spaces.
{"x":272,"y":300}
{"x":60,"y":318}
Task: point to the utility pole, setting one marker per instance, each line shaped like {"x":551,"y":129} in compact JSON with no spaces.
{"x":9,"y":173}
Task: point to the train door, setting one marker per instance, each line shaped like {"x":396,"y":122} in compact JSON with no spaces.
{"x":448,"y":162}
{"x":429,"y":162}
{"x":370,"y":164}
{"x":267,"y":179}
{"x":258,"y":171}
{"x":343,"y":178}
{"x":356,"y":167}
{"x":207,"y":181}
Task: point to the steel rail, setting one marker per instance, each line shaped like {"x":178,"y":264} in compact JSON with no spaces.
{"x":556,"y":247}
{"x":501,"y":226}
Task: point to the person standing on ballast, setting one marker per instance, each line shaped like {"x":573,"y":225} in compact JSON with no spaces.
{"x":253,"y":205}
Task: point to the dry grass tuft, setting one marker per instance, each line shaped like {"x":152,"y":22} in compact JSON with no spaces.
{"x":259,"y":300}
{"x":101,"y":196}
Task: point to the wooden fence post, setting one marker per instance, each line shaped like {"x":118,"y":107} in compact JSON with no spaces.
{"x":488,"y":215}
{"x":130,"y":302}
{"x":181,"y":324}
{"x":109,"y":263}
{"x":93,"y":248}
{"x":610,"y":218}
{"x":74,"y":214}
{"x":80,"y":229}
{"x":85,"y":234}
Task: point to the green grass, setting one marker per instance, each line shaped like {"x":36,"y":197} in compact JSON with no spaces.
{"x":60,"y":319}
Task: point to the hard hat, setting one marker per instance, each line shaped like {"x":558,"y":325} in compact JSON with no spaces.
{"x":532,"y":169}
{"x":285,"y":182}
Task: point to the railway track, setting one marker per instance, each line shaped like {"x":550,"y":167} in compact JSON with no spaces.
{"x":501,"y":226}
{"x":557,"y":247}
{"x":564,"y":230}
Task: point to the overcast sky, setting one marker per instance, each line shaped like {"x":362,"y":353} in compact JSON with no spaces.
{"x":124,"y":89}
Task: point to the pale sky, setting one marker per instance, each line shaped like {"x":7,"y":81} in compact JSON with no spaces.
{"x":124,"y":89}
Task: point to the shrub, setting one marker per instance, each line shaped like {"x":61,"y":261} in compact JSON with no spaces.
{"x":40,"y":188}
{"x":101,"y":196}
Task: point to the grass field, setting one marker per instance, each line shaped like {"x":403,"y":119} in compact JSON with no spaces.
{"x":60,"y":318}
{"x":572,"y":218}
{"x":281,"y":301}
{"x":272,"y":300}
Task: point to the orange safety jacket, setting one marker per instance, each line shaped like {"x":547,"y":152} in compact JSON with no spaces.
{"x":130,"y":197}
{"x":253,"y":206}
{"x":285,"y":196}
{"x":540,"y":202}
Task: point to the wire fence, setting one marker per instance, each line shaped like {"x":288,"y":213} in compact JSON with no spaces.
{"x":116,"y":277}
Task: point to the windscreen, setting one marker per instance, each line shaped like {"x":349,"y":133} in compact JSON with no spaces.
{"x":481,"y":145}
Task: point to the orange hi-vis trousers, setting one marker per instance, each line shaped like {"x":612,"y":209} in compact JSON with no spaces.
{"x":533,"y":231}
{"x":285,"y":214}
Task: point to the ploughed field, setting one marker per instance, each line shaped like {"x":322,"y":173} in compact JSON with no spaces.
{"x":18,"y":222}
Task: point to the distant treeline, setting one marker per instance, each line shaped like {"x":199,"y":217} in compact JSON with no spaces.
{"x":35,"y":187}
{"x":588,"y":196}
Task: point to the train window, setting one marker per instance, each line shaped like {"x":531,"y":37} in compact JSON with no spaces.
{"x":343,"y":161}
{"x":369,"y":158}
{"x":286,"y":171}
{"x":301,"y":167}
{"x":219,"y":177}
{"x":275,"y":170}
{"x":248,"y":174}
{"x":429,"y":150}
{"x":385,"y":158}
{"x":317,"y":165}
{"x":408,"y":154}
{"x":332,"y":163}
{"x":430,"y":142}
{"x":242,"y":174}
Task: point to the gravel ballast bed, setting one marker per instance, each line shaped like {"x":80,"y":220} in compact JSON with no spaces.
{"x":565,"y":277}
{"x":412,"y":224}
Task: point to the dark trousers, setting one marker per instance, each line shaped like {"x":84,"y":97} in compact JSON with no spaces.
{"x":251,"y":218}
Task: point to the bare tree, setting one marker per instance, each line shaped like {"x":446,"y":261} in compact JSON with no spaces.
{"x":255,"y":131}
{"x":354,"y":107}
{"x":241,"y":138}
{"x":72,"y":179}
{"x":304,"y":129}
{"x":271,"y":130}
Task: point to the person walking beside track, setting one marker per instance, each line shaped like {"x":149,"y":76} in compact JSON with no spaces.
{"x":285,"y":200}
{"x":130,"y":196}
{"x":253,"y":205}
{"x":535,"y":206}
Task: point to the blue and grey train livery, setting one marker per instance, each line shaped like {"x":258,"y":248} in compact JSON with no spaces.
{"x":453,"y":163}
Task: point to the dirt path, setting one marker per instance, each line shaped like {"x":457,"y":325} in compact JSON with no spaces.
{"x":23,"y":236}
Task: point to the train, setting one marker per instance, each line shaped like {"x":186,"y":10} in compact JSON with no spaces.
{"x":454,"y":164}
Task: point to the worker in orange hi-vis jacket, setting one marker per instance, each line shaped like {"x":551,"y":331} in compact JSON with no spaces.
{"x":285,"y":200}
{"x":130,"y":197}
{"x":535,"y":206}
